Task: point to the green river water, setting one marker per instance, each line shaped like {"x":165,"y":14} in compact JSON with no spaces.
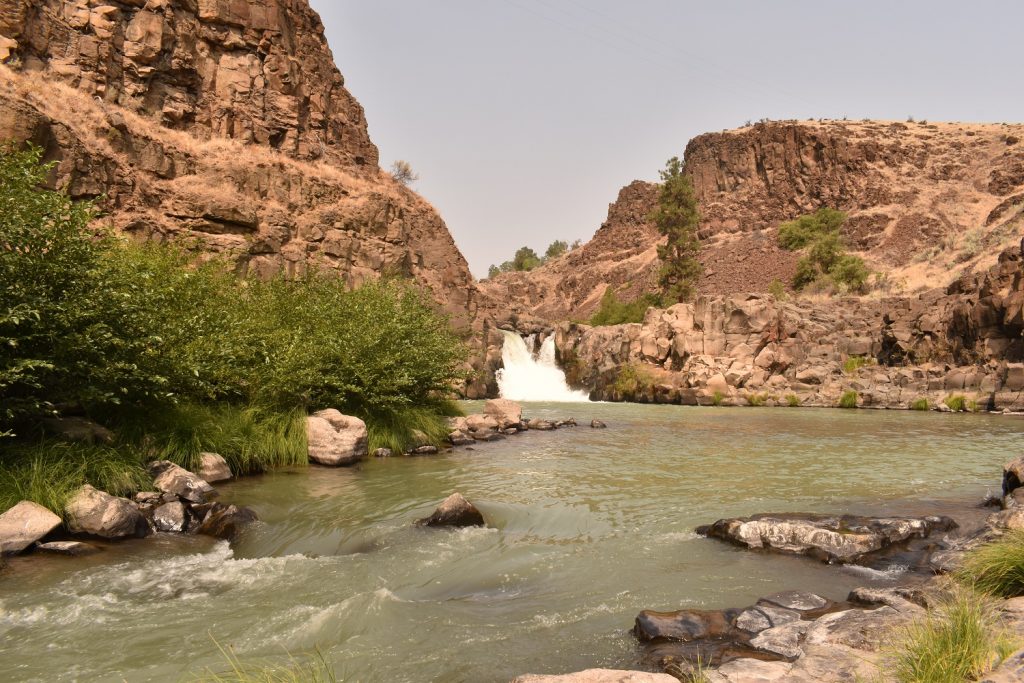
{"x":586,"y":528}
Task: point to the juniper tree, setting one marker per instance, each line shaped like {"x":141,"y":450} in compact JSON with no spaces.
{"x":677,"y":217}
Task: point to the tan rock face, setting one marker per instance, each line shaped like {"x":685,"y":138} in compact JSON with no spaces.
{"x":225,"y":122}
{"x":23,"y":525}
{"x":926,"y":202}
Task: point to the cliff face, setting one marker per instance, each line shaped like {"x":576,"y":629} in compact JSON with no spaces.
{"x":223,"y":121}
{"x":926,"y":203}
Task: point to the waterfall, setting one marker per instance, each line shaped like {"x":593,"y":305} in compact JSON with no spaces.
{"x":529,"y":378}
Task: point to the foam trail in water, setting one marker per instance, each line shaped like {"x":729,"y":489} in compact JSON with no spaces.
{"x":529,"y":378}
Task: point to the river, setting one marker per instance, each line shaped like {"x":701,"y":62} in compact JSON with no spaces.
{"x":585,"y":528}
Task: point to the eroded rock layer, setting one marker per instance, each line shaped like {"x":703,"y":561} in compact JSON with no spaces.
{"x":223,"y":121}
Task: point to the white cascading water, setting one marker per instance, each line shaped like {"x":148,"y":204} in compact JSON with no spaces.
{"x":529,"y":378}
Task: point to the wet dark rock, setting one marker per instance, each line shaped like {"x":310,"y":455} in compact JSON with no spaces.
{"x":459,"y":438}
{"x":455,"y":510}
{"x":685,"y":625}
{"x":798,"y":601}
{"x":23,"y":525}
{"x":487,"y":436}
{"x":829,"y":538}
{"x":424,"y":450}
{"x":172,"y":479}
{"x":226,"y":521}
{"x":597,"y":424}
{"x":571,"y":422}
{"x":511,"y":431}
{"x":383,"y":453}
{"x":148,"y":498}
{"x":1013,"y":475}
{"x":100,"y":514}
{"x":542,"y":425}
{"x":170,"y":517}
{"x":69,"y":548}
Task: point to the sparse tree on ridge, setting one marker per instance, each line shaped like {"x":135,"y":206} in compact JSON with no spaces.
{"x":677,"y":217}
{"x":402,"y":172}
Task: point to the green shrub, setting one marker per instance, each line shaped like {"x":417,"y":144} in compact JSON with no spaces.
{"x":792,"y":400}
{"x":718,"y":399}
{"x":957,"y":641}
{"x":956,"y":403}
{"x":632,"y":379}
{"x":848,"y":399}
{"x":855,"y":363}
{"x":399,"y":431}
{"x":612,"y":311}
{"x":777,"y":289}
{"x":920,"y":404}
{"x":997,"y":568}
{"x":805,"y":230}
{"x":49,"y":472}
{"x":756,"y":400}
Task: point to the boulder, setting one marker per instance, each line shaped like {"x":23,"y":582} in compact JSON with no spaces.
{"x":599,"y":676}
{"x":458,"y":438}
{"x":840,"y":538}
{"x":78,"y":429}
{"x":454,"y":511}
{"x":170,"y":517}
{"x":541,"y":425}
{"x":23,"y":525}
{"x":336,"y":440}
{"x":69,"y":548}
{"x":1013,"y":475}
{"x":685,"y":625}
{"x":505,"y":412}
{"x":481,"y":423}
{"x":487,"y":436}
{"x":213,"y":468}
{"x":177,"y":481}
{"x":424,"y":450}
{"x":100,"y":514}
{"x":226,"y":521}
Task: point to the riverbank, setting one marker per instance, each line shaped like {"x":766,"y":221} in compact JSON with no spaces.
{"x":585,"y":528}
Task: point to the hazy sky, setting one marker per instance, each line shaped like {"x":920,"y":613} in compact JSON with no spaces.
{"x":525,"y":117}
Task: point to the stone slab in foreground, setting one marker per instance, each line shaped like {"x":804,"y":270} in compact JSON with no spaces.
{"x":599,"y":676}
{"x":23,"y":525}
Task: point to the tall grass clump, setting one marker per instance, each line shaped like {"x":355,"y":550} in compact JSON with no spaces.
{"x":409,"y":428}
{"x":920,"y":404}
{"x":315,"y":669}
{"x":792,"y":400}
{"x":956,"y":403}
{"x":957,"y":641}
{"x":855,"y":363}
{"x":49,"y":472}
{"x":996,"y":568}
{"x":848,"y":399}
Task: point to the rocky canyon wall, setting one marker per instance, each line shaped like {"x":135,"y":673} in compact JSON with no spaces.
{"x":225,"y":122}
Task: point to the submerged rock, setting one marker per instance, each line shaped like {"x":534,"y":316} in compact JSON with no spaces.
{"x":454,"y":511}
{"x":23,"y":525}
{"x":336,"y":440}
{"x":69,"y":548}
{"x":829,"y":538}
{"x":597,"y":424}
{"x":599,"y":676}
{"x":383,"y":453}
{"x":505,"y":412}
{"x":177,"y":481}
{"x":100,"y":514}
{"x":541,"y":425}
{"x":226,"y":521}
{"x":213,"y":468}
{"x":424,"y":450}
{"x":459,"y":438}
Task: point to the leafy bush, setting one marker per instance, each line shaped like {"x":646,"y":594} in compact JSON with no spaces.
{"x":808,"y":229}
{"x":958,"y":641}
{"x":920,"y":404}
{"x":825,"y":265}
{"x":556,"y":249}
{"x":777,"y":290}
{"x":848,"y":399}
{"x":612,"y":311}
{"x":631,"y":379}
{"x":756,"y":400}
{"x":792,"y":400}
{"x":997,"y":568}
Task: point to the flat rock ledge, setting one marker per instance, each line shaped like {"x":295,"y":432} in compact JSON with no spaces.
{"x":841,"y":539}
{"x":23,"y":525}
{"x":501,"y":418}
{"x":454,"y":511}
{"x":789,"y":636}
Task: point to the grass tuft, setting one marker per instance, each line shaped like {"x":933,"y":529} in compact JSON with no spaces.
{"x":413,"y":426}
{"x":956,"y":403}
{"x":920,"y":404}
{"x":848,"y":400}
{"x":49,"y":472}
{"x":718,"y":399}
{"x":792,"y":400}
{"x":855,"y":363}
{"x":290,"y":670}
{"x":996,"y":568}
{"x":957,"y":641}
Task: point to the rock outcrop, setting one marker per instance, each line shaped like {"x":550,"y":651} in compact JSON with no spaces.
{"x":224,"y":122}
{"x":213,"y":468}
{"x":927,"y":202}
{"x":966,"y":339}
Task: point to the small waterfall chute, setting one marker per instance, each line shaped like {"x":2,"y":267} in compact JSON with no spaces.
{"x":529,"y":377}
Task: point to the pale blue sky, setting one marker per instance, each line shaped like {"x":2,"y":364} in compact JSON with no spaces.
{"x":525,"y":117}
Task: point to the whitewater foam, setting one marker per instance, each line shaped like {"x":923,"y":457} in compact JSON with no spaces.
{"x":526,"y":377}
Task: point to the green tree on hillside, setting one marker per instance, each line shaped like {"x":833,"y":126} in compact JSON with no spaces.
{"x":525,"y":259}
{"x":677,"y":217}
{"x":556,"y":249}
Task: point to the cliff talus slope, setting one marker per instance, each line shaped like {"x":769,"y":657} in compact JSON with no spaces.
{"x":222,"y":121}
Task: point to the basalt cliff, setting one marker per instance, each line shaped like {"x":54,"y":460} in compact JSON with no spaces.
{"x":935,"y":210}
{"x":225,"y":122}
